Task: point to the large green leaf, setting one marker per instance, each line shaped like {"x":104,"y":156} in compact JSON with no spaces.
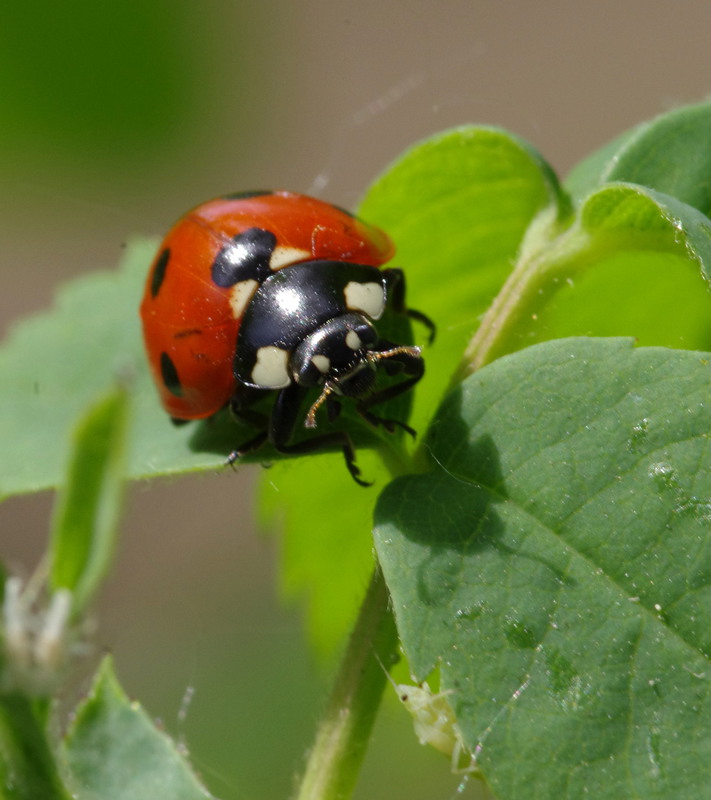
{"x":555,"y":562}
{"x":114,"y":751}
{"x":670,"y":154}
{"x":634,"y":262}
{"x":458,"y":206}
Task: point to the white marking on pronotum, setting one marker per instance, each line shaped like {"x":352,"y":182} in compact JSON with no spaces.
{"x":366,"y":297}
{"x":240,"y":295}
{"x":282,"y":256}
{"x":270,"y":370}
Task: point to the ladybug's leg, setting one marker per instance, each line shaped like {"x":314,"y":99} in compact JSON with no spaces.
{"x":239,"y":407}
{"x":395,"y":284}
{"x":333,"y":408}
{"x":383,"y":422}
{"x":255,"y":419}
{"x":248,"y":447}
{"x":283,"y":423}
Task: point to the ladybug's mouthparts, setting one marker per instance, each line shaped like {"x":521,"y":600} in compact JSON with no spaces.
{"x":371,"y":358}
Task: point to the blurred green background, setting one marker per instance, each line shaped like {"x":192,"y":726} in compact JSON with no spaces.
{"x":116,"y":118}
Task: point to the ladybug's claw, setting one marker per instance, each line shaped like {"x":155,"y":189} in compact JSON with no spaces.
{"x":355,"y":473}
{"x":248,"y":447}
{"x":390,"y":425}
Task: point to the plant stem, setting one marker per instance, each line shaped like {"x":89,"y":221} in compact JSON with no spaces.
{"x":334,"y":762}
{"x":498,"y":318}
{"x":27,"y":765}
{"x":546,"y":254}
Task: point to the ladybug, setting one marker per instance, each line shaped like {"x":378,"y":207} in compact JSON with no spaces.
{"x":275,"y":292}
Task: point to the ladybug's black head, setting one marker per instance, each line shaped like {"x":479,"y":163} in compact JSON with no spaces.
{"x":335,"y":354}
{"x":343,"y":356}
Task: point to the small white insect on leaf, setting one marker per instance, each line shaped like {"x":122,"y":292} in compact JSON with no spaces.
{"x":435,"y":723}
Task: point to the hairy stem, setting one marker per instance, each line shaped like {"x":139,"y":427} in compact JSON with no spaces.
{"x":334,"y":761}
{"x":548,"y":254}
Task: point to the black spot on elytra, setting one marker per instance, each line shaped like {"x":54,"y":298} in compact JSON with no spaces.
{"x":247,"y":195}
{"x":169,"y":374}
{"x":246,"y":257}
{"x":158,"y":274}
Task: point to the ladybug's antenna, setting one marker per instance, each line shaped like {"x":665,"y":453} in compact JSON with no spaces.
{"x":373,"y":356}
{"x":328,"y":389}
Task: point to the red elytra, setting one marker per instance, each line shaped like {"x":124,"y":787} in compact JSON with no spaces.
{"x":190,"y":324}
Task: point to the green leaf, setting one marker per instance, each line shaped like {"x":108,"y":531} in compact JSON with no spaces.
{"x":457,"y":207}
{"x":555,"y":562}
{"x":27,"y":767}
{"x":670,"y":154}
{"x":644,"y":271}
{"x":326,"y":553}
{"x":635,"y":262}
{"x":54,"y":365}
{"x":86,"y":517}
{"x":113,"y":751}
